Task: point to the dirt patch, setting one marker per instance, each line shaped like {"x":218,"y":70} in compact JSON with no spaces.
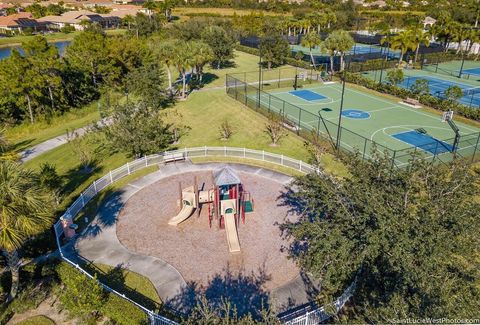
{"x":200,"y":253}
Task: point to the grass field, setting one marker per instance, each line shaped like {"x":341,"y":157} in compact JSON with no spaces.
{"x":182,"y":11}
{"x":368,"y":118}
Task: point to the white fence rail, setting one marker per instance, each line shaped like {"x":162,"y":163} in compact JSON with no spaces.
{"x":310,"y":317}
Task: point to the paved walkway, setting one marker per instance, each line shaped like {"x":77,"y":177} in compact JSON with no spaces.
{"x":53,"y":143}
{"x":99,"y":242}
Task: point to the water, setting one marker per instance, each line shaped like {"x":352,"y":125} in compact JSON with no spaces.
{"x":6,"y":51}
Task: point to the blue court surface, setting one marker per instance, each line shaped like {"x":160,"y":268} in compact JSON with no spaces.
{"x":471,"y":95}
{"x":424,"y":142}
{"x":472,"y":71}
{"x":355,"y":114}
{"x":306,"y":94}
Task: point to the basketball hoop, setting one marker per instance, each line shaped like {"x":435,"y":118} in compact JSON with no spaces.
{"x":447,"y":116}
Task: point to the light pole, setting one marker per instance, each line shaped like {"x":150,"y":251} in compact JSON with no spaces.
{"x":259,"y":74}
{"x":337,"y":146}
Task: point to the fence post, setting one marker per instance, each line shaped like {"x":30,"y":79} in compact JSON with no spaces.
{"x":146,"y":161}
{"x":225,"y":151}
{"x":128,"y":168}
{"x":364,"y":148}
{"x":282,"y":160}
{"x":299,"y":120}
{"x":111,"y":178}
{"x":300,"y":165}
{"x":476,"y":147}
{"x":263,"y":155}
{"x":236,"y":96}
{"x":95,"y":186}
{"x":83,"y":200}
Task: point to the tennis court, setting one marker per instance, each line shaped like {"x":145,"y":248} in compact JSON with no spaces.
{"x":367,"y":119}
{"x":468,"y":69}
{"x":356,"y":49}
{"x":438,"y":82}
{"x":438,"y":87}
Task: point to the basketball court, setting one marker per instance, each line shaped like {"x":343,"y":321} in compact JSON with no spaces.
{"x":367,"y":118}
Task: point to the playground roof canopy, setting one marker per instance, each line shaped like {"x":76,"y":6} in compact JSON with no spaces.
{"x":226,"y":176}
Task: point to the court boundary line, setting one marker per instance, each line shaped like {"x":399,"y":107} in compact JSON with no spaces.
{"x":402,"y":107}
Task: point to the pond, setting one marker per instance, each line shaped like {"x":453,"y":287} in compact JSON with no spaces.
{"x":6,"y":51}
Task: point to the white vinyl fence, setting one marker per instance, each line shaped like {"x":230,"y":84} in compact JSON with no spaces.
{"x":310,"y":317}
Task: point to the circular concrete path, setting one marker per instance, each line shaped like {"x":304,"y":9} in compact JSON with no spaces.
{"x":99,"y":244}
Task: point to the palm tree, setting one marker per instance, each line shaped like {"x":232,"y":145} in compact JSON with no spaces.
{"x":201,"y":55}
{"x":128,"y":20}
{"x":26,"y":210}
{"x":183,"y":61}
{"x":460,"y":35}
{"x":403,"y":41}
{"x":311,"y":40}
{"x":472,"y":38}
{"x":420,"y":37}
{"x":340,"y":42}
{"x":165,"y":52}
{"x":474,"y":6}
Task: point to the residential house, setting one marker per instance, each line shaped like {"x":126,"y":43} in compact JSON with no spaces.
{"x":78,"y":19}
{"x":19,"y":23}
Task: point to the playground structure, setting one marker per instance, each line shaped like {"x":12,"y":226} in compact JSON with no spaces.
{"x":228,"y":202}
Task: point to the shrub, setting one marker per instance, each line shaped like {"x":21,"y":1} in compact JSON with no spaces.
{"x":122,"y":312}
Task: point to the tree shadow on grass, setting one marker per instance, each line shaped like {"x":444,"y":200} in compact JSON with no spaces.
{"x":106,"y":214}
{"x":114,"y":277}
{"x":244,"y":291}
{"x":208,"y":77}
{"x":22,"y":146}
{"x":77,"y":176}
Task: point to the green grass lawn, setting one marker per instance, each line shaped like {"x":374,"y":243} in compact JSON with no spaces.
{"x":243,"y":62}
{"x":27,"y":135}
{"x":37,"y":320}
{"x":134,"y":285}
{"x":182,"y":11}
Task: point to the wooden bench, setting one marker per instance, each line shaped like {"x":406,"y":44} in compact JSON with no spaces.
{"x":412,"y":101}
{"x":173,"y":156}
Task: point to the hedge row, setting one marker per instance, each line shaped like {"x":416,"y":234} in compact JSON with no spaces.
{"x":425,"y":99}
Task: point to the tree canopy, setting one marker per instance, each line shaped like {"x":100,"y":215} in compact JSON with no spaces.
{"x":409,"y":237}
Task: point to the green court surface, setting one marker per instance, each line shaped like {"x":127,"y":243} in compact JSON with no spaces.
{"x":356,"y":49}
{"x":470,"y":69}
{"x":372,"y":119}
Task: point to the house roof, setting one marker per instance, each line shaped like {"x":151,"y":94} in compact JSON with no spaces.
{"x":124,"y":13}
{"x":21,"y":19}
{"x":75,"y":17}
{"x":125,"y":7}
{"x":226,"y":176}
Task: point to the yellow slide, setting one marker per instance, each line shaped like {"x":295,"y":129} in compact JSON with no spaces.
{"x":184,"y":214}
{"x":231,"y":229}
